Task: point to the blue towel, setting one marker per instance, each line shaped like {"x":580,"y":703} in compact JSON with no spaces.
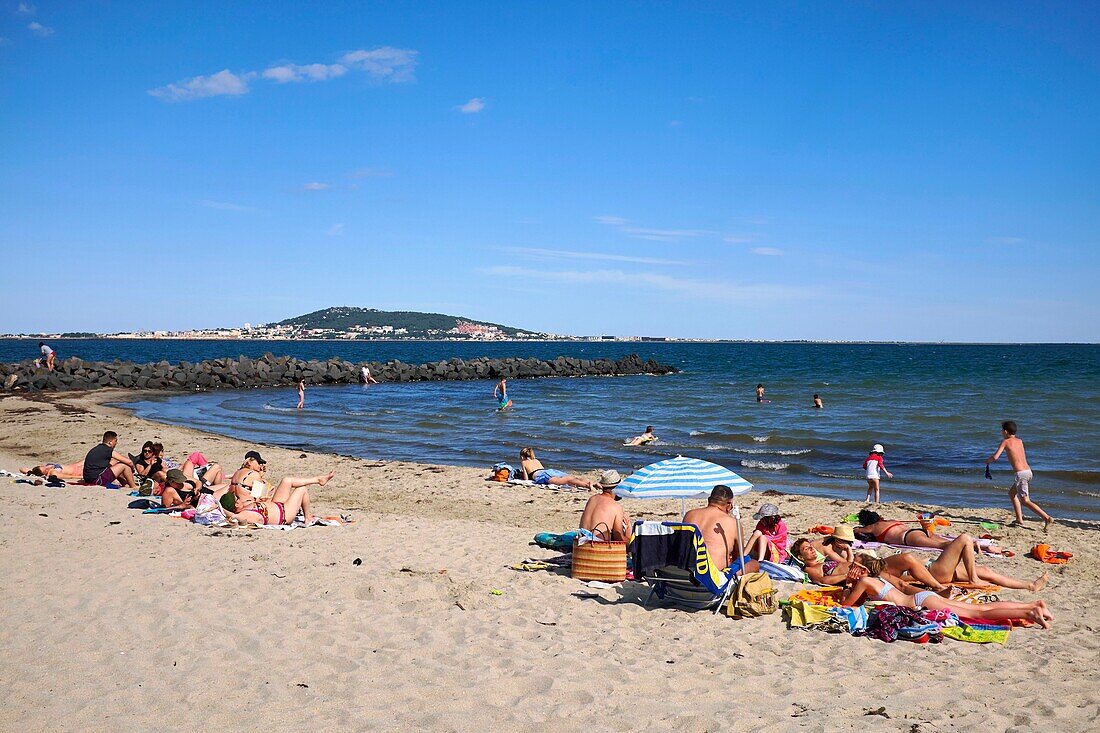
{"x":856,"y":617}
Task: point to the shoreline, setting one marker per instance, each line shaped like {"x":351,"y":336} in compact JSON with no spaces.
{"x":138,"y":617}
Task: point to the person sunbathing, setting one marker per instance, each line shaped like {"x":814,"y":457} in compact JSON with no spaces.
{"x":603,"y":515}
{"x":838,"y":545}
{"x":249,"y":488}
{"x":180,"y":492}
{"x":150,"y":464}
{"x":281,"y":507}
{"x":70,"y":472}
{"x":827,"y":571}
{"x":532,"y":469}
{"x":197,"y":467}
{"x":895,"y":532}
{"x":875,"y":588}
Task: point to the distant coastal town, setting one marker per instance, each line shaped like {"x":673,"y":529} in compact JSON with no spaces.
{"x":352,"y":324}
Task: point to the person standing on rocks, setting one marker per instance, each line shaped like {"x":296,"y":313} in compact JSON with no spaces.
{"x":48,"y":355}
{"x":301,"y":392}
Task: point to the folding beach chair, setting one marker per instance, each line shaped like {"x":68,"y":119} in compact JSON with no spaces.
{"x":672,"y":558}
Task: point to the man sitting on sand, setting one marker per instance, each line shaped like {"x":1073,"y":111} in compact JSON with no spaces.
{"x":646,"y":437}
{"x":603,"y":515}
{"x":720,"y":532}
{"x":103,"y":466}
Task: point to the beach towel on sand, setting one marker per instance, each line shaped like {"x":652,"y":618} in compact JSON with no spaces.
{"x":978,"y":633}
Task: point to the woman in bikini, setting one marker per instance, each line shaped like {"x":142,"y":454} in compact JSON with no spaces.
{"x":875,"y":588}
{"x":277,"y":507}
{"x":895,"y":532}
{"x":533,"y":470}
{"x":71,"y":472}
{"x":828,"y":571}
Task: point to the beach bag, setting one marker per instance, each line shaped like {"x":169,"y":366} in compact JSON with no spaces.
{"x":599,"y":559}
{"x":502,"y":472}
{"x":209,"y":511}
{"x":754,"y":596}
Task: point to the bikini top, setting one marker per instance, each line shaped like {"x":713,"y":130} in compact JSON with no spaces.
{"x":886,"y":588}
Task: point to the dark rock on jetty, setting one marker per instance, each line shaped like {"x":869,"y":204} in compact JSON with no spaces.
{"x":272,"y":371}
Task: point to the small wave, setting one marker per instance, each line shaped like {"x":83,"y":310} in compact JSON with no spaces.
{"x":773,"y":451}
{"x":696,"y":433}
{"x":712,"y":446}
{"x":761,"y":438}
{"x":764,"y":465}
{"x":275,"y":408}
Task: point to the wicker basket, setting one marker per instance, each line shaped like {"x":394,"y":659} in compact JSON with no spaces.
{"x":599,"y":560}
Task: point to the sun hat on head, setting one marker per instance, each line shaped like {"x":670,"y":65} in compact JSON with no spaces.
{"x":610,"y":478}
{"x":877,"y":448}
{"x":766,"y":510}
{"x":175,"y":476}
{"x":254,"y":454}
{"x":844,"y":533}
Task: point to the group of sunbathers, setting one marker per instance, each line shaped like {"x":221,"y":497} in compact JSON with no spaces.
{"x":832,"y":560}
{"x":245,"y":497}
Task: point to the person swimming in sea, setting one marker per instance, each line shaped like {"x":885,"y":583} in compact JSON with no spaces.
{"x":760,"y":394}
{"x":818,"y":404}
{"x":644,"y":438}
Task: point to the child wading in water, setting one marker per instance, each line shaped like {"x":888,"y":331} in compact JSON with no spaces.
{"x":873,"y":465}
{"x":1020,"y":491}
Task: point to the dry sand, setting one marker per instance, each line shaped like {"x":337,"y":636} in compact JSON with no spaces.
{"x":114,"y":620}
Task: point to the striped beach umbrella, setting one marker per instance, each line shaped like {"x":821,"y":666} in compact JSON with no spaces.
{"x":680,"y":478}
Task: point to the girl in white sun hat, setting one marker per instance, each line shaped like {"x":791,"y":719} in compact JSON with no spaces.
{"x":874,"y":466}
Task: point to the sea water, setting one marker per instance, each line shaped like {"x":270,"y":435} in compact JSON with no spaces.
{"x":936,"y":408}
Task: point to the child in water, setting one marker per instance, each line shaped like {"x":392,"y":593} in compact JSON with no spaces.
{"x":501,"y":393}
{"x":301,"y":393}
{"x":873,"y":466}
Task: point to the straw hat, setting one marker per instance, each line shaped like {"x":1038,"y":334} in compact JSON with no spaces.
{"x":610,"y":478}
{"x":844,"y":533}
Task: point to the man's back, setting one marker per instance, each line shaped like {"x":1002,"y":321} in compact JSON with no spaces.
{"x":97,"y":461}
{"x":604,"y":513}
{"x":719,"y":531}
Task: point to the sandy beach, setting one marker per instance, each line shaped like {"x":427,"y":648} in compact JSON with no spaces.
{"x":114,"y":620}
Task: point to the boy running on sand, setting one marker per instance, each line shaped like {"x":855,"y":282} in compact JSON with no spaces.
{"x":1020,"y":491}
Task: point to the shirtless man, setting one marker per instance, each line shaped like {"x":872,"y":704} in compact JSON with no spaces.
{"x":1020,"y":491}
{"x":603,"y":512}
{"x":720,"y":533}
{"x":646,"y":437}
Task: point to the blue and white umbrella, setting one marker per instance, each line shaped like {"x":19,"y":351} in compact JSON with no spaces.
{"x":680,"y":478}
{"x":684,"y":478}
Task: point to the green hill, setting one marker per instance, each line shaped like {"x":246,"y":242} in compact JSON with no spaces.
{"x":418,"y":324}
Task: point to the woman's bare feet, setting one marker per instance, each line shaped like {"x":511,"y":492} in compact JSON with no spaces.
{"x":1038,"y":583}
{"x":1037,"y":616}
{"x":322,"y":480}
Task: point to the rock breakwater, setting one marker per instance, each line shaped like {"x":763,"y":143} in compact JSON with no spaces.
{"x":273,"y":371}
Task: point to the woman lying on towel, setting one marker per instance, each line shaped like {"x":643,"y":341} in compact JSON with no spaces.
{"x":280,"y":508}
{"x":896,"y":532}
{"x":531,"y":468}
{"x":71,"y":472}
{"x":875,"y":588}
{"x":827,"y":571}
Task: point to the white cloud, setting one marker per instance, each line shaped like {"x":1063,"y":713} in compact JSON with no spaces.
{"x":40,"y":30}
{"x":309,"y":72}
{"x":386,"y":63}
{"x":372,"y":173}
{"x":316,"y":186}
{"x":724,"y":292}
{"x":25,"y":9}
{"x":739,"y":238}
{"x":224,"y":206}
{"x":656,"y":235}
{"x":223,"y":83}
{"x":474,"y":106}
{"x":555,"y":254}
{"x":767,"y":251}
{"x":335,"y":230}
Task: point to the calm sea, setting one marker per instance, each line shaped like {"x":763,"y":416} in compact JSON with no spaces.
{"x":937,"y":409}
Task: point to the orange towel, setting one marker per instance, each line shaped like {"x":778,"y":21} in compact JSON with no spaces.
{"x":820,"y":529}
{"x":1043,"y":553}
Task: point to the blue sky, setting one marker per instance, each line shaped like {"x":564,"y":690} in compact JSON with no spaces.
{"x":769,"y":170}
